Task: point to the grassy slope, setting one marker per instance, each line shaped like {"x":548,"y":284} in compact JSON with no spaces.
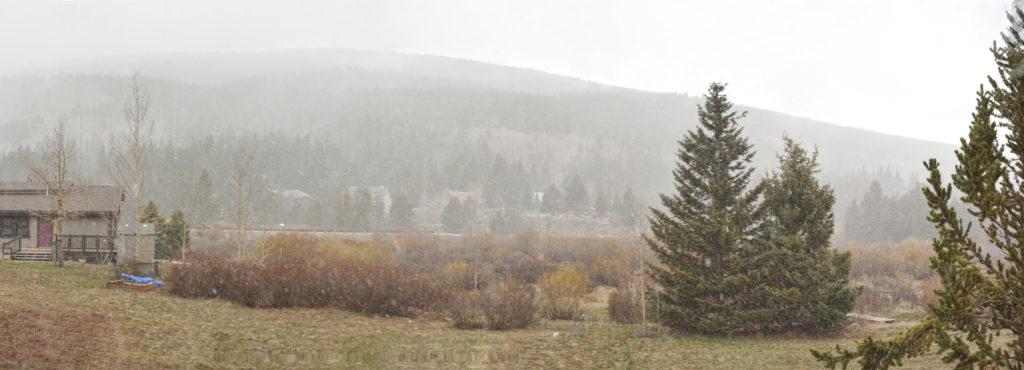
{"x":102,"y":327}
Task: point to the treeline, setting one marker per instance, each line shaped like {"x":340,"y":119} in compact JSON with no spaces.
{"x":301,"y":180}
{"x":330,"y":133}
{"x":877,"y":217}
{"x":623,"y":211}
{"x":343,"y":188}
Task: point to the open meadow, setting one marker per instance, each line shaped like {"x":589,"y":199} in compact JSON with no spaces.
{"x":65,"y":317}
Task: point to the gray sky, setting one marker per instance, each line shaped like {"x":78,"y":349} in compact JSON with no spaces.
{"x":908,"y":67}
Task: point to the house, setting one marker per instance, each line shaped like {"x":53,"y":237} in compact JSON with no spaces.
{"x":26,"y":210}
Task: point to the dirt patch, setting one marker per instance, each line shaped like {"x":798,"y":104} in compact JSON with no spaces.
{"x":53,"y":338}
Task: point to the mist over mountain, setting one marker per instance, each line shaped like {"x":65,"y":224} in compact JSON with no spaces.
{"x":366,"y":118}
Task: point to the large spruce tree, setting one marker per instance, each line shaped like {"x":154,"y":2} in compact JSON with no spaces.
{"x":706,"y":235}
{"x":978,"y":321}
{"x":806,"y":281}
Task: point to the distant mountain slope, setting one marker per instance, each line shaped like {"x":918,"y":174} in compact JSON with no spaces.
{"x":426,"y":105}
{"x":220,"y":67}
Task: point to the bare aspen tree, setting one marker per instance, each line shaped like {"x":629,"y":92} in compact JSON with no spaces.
{"x":55,"y":170}
{"x":243,"y":174}
{"x":128,"y":162}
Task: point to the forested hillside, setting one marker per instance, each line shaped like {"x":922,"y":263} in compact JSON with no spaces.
{"x":323,"y":122}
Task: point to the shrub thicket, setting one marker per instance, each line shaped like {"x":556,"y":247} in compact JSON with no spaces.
{"x":503,"y":306}
{"x":625,"y":305}
{"x":893,"y":275}
{"x":292,"y":270}
{"x":610,"y":270}
{"x":460,"y":274}
{"x":295,"y":274}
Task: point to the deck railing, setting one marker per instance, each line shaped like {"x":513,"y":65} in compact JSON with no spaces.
{"x":13,"y":245}
{"x":92,"y":248}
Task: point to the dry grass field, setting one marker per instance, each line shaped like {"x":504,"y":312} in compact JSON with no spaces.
{"x":66,"y":318}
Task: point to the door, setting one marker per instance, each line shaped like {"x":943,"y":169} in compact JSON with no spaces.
{"x":45,"y":234}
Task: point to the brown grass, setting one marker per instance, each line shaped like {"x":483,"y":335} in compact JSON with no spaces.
{"x":156,"y":330}
{"x":42,"y":337}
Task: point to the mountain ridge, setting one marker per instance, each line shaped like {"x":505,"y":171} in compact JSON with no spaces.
{"x":432,"y":103}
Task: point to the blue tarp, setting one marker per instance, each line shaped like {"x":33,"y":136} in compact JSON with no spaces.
{"x":143,"y":279}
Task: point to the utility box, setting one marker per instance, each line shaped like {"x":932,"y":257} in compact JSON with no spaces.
{"x":136,"y":246}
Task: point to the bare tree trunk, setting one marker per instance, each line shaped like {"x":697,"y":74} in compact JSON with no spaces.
{"x":56,"y":172}
{"x":129,"y":153}
{"x":242,"y":175}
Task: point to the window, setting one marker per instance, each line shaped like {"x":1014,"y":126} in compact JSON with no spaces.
{"x":13,"y":226}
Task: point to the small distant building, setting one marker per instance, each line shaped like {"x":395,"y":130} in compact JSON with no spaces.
{"x":137,"y":246}
{"x":462,"y":196}
{"x":291,"y":194}
{"x":26,"y":210}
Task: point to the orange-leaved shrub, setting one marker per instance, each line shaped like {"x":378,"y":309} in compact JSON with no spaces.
{"x":563,"y":291}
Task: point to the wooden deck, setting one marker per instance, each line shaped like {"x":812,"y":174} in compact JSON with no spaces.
{"x":37,"y":250}
{"x":46,"y":254}
{"x":30,"y":254}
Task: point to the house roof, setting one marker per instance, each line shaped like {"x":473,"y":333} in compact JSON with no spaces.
{"x":290,"y":193}
{"x":35,"y":197}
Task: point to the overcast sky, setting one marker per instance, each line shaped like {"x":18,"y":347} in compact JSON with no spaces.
{"x":908,"y":67}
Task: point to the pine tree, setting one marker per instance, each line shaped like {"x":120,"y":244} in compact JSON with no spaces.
{"x":469,"y":207}
{"x":174,"y":236}
{"x":601,"y":204}
{"x":151,"y":214}
{"x":377,"y":218}
{"x":518,"y":190}
{"x":552,"y":201}
{"x":202,"y":205}
{"x":402,"y":215}
{"x":576,"y":199}
{"x":704,"y":237}
{"x":496,"y":184}
{"x":978,"y":321}
{"x":362,"y":205}
{"x":344,"y":214}
{"x":864,"y":219}
{"x":807,"y":281}
{"x":453,"y":216}
{"x":628,"y":210}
